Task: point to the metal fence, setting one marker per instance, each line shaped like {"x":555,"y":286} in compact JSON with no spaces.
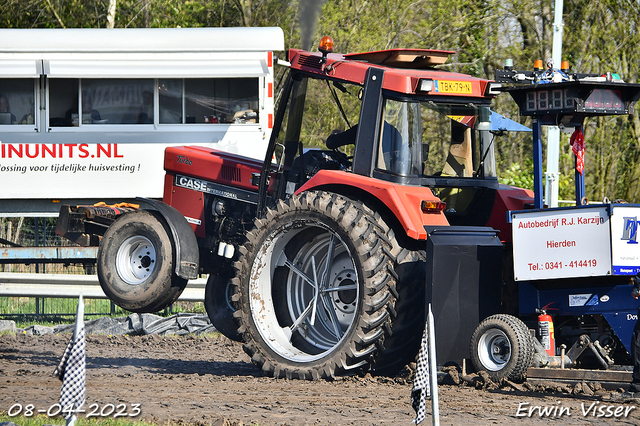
{"x":36,"y":232}
{"x":41,"y":295}
{"x":49,"y":308}
{"x":48,"y":290}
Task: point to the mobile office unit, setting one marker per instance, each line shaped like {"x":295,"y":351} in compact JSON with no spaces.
{"x":85,"y":114}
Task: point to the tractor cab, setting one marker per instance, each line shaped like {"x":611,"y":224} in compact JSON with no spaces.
{"x":394,"y":117}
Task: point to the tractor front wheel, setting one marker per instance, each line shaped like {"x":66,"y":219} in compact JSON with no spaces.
{"x":136,"y":263}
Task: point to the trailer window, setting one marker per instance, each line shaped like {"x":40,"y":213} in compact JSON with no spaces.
{"x":17,"y":101}
{"x":201,"y":100}
{"x":117,"y":101}
{"x":101,"y":101}
{"x":79,"y":102}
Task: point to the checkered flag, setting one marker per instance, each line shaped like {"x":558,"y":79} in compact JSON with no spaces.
{"x":425,"y":384}
{"x":421,"y":389}
{"x":71,"y":369}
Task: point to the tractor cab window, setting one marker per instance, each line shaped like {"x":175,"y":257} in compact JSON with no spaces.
{"x":314,"y":106}
{"x":457,"y":141}
{"x":400,"y":144}
{"x":435,"y":139}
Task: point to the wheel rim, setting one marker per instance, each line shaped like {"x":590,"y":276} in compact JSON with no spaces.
{"x":494,"y":350}
{"x":321,"y":291}
{"x":136,"y":260}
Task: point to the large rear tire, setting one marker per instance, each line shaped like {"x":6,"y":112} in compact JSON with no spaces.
{"x":501,"y":345}
{"x":217,"y":302}
{"x":408,"y":315}
{"x":136,"y":261}
{"x":314,"y":287}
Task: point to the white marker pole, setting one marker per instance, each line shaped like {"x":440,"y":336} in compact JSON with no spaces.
{"x":433,"y":368}
{"x":553,"y":132}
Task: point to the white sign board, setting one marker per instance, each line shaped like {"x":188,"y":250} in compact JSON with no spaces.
{"x":99,"y":170}
{"x":561,"y":243}
{"x":85,"y":170}
{"x":625,"y":247}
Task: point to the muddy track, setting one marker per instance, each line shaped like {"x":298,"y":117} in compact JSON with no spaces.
{"x":210,"y":380}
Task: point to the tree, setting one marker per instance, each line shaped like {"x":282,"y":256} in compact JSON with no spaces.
{"x":111,"y":14}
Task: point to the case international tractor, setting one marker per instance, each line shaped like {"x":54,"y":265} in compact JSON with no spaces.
{"x":321,"y":259}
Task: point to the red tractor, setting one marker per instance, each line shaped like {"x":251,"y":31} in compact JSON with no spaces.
{"x":318,"y":258}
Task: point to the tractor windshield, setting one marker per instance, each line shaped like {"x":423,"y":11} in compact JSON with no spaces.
{"x":435,"y":139}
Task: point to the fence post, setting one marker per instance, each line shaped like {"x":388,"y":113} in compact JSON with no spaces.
{"x":9,"y":267}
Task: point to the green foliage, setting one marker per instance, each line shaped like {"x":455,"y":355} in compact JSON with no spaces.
{"x":63,"y":310}
{"x":48,"y":306}
{"x":566,"y":185}
{"x":521,"y":177}
{"x":140,"y":13}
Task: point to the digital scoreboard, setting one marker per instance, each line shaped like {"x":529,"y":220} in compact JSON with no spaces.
{"x":554,"y":96}
{"x":587,"y":98}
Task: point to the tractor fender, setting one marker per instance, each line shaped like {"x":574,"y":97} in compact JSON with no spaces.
{"x":404,"y":202}
{"x":186,"y":244}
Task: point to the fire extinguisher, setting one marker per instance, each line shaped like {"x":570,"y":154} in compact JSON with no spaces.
{"x":546,"y":332}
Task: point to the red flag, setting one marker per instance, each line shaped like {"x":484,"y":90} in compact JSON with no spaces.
{"x":577,"y":142}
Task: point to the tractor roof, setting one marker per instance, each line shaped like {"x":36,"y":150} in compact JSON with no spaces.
{"x":404,"y":70}
{"x":403,"y":58}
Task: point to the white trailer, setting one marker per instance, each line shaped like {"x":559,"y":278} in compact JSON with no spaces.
{"x":85,"y":114}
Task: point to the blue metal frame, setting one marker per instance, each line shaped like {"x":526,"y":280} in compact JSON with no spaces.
{"x":614,"y":303}
{"x":537,"y":163}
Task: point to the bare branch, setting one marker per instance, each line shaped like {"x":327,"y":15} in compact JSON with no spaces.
{"x":56,"y":14}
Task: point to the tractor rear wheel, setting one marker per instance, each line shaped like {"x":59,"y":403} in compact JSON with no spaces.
{"x":314,"y":287}
{"x":217,"y":302}
{"x":408,"y":316}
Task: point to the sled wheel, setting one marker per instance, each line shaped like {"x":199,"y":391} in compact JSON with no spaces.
{"x":313,"y":286}
{"x":501,"y":345}
{"x":136,"y":263}
{"x":217,"y":302}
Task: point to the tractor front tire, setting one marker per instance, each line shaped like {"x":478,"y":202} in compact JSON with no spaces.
{"x":136,"y":261}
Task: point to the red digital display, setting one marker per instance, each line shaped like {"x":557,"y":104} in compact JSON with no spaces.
{"x":605,"y":99}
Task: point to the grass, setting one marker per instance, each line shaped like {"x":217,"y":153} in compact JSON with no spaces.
{"x":55,"y":311}
{"x":52,"y":306}
{"x":41,"y":420}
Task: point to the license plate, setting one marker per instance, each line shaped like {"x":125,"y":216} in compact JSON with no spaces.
{"x":446,"y":86}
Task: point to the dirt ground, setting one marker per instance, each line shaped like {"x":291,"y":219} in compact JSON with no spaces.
{"x":210,"y":381}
